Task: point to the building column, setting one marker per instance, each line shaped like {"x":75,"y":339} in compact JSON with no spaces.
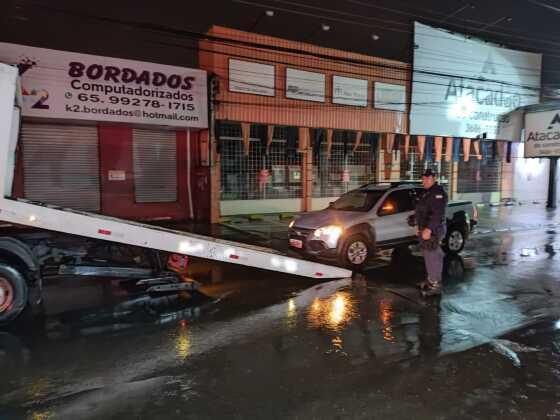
{"x":454,"y":179}
{"x":306,"y":168}
{"x":215,"y":183}
{"x":551,"y":202}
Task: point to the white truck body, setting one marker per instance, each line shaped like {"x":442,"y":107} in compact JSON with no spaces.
{"x":94,"y":226}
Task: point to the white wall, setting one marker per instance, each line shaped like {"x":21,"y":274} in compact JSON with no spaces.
{"x":530,"y":176}
{"x":234,"y":207}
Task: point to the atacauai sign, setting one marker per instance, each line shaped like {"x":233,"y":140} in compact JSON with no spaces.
{"x":71,"y":86}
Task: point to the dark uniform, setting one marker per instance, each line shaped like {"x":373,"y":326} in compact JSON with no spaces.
{"x":430,"y":213}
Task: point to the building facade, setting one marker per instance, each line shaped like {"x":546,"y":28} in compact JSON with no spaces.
{"x":112,"y":136}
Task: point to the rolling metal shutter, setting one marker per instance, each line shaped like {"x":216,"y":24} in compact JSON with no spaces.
{"x":61,"y":165}
{"x":155,"y":166}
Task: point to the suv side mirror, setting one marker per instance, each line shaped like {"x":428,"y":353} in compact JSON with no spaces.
{"x":387,"y":209}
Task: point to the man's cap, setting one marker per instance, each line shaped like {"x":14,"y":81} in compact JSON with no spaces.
{"x":429,"y":172}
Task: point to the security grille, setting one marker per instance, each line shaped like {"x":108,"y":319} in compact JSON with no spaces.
{"x":329,"y":172}
{"x":155,"y":166}
{"x":477,"y":176}
{"x":412,"y":168}
{"x":61,"y":165}
{"x":240,"y":173}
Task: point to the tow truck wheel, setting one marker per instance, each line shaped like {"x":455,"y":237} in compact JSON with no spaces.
{"x":13,"y":293}
{"x":355,"y":252}
{"x":454,"y":241}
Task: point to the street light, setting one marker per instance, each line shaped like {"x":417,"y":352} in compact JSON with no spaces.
{"x":266,"y":13}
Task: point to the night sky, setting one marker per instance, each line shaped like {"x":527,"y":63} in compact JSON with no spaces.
{"x":110,"y":28}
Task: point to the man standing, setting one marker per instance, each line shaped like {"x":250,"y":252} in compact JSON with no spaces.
{"x":431,"y":229}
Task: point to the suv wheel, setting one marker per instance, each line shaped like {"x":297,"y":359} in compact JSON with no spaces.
{"x":455,"y":240}
{"x":355,"y":252}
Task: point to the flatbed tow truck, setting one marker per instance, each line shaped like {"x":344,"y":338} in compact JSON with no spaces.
{"x":101,"y":246}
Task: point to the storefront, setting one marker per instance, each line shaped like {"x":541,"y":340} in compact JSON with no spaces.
{"x":297,"y":125}
{"x":113,"y":136}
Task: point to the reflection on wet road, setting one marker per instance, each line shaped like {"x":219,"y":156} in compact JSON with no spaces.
{"x":275,"y":347}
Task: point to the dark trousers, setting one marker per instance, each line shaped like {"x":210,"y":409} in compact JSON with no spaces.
{"x":433,"y":258}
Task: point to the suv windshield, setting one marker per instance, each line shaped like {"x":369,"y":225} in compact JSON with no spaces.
{"x":358,"y":200}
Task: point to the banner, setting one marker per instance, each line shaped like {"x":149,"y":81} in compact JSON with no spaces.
{"x":542,"y":134}
{"x":350,"y":91}
{"x":462,"y":86}
{"x":249,"y":77}
{"x":305,"y":85}
{"x":72,"y":86}
{"x":389,"y":96}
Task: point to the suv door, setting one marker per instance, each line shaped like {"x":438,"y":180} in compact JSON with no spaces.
{"x":392,"y":222}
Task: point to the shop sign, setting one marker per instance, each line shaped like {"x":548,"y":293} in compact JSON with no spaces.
{"x":389,"y":96}
{"x":305,"y":85}
{"x":542,"y":134}
{"x":350,"y":91}
{"x":117,"y":175}
{"x":72,"y":86}
{"x":462,"y":86}
{"x":249,"y":77}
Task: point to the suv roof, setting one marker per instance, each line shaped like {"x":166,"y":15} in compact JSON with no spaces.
{"x":387,"y":185}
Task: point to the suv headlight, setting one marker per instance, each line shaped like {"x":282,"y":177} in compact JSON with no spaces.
{"x":328,"y":234}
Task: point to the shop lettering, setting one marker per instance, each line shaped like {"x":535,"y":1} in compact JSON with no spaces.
{"x":543,"y":136}
{"x":124,"y":90}
{"x":127,"y":75}
{"x":482,"y":95}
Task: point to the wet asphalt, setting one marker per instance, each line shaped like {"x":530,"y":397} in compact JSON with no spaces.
{"x":257,"y":344}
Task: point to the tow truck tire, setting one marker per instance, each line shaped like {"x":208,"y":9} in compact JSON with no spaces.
{"x":454,"y":240}
{"x":13,"y":293}
{"x":355,"y":252}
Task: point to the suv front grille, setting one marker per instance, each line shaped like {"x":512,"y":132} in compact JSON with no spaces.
{"x":301,"y":231}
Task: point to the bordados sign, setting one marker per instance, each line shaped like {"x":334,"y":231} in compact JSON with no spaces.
{"x":64,"y":85}
{"x":542,"y":134}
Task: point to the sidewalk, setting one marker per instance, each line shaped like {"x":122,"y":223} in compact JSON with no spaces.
{"x":271,"y":231}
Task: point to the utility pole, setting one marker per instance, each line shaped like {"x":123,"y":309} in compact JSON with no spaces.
{"x":551,"y":202}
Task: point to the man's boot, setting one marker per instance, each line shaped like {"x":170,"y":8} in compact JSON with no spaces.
{"x":423,"y":284}
{"x":433,"y":289}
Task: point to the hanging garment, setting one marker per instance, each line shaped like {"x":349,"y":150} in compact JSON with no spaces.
{"x":329,"y":142}
{"x":406,"y":146}
{"x":429,"y":149}
{"x":421,"y":146}
{"x":291,"y":142}
{"x":466,"y":149}
{"x":438,"y":141}
{"x":448,"y":149}
{"x":476,"y":146}
{"x":245,"y":132}
{"x":358,"y":141}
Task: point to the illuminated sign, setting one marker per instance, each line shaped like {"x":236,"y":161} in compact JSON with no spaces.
{"x":542,"y":134}
{"x":462,"y":87}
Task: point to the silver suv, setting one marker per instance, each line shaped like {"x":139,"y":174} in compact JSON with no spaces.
{"x":372,"y":218}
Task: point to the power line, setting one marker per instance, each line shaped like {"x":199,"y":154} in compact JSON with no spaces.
{"x":260,"y":47}
{"x":457,"y":25}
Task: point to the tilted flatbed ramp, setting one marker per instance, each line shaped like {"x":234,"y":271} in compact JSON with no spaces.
{"x":95,"y":226}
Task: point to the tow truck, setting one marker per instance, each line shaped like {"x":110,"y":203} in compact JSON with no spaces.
{"x":78,"y":243}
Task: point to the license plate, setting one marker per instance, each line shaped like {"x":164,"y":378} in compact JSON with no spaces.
{"x":296,"y":243}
